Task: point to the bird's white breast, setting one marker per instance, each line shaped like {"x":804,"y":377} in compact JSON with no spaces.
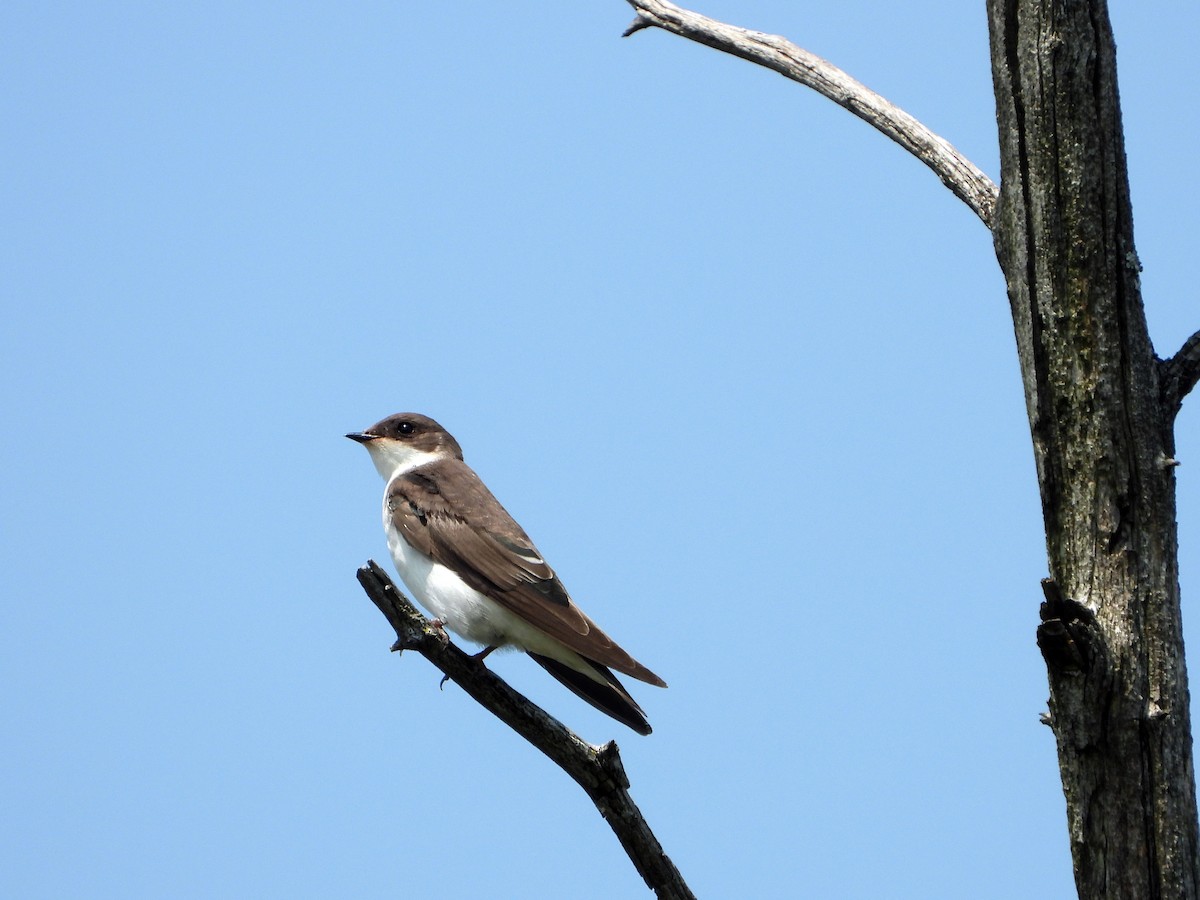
{"x":462,"y":609}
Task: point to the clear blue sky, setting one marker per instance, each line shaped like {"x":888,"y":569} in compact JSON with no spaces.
{"x":614,"y":269}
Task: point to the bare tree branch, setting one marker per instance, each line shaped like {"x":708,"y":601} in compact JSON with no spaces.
{"x":957,"y":172}
{"x":598,"y":770}
{"x":1179,"y":374}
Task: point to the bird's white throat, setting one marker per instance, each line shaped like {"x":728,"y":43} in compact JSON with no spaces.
{"x":394,"y":458}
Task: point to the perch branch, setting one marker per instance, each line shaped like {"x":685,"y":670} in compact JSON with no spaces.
{"x":1179,"y":374}
{"x":958,"y":173}
{"x":598,"y":770}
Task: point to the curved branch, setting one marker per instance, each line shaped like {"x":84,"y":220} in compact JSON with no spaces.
{"x":957,"y":172}
{"x":1179,"y":374}
{"x":597,"y":770}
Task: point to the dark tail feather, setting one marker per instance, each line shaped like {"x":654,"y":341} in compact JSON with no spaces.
{"x":609,"y":698}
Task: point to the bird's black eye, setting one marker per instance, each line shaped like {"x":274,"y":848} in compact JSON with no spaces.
{"x":406,"y":428}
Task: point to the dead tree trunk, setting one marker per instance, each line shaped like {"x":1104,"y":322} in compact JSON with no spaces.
{"x":1102,"y":434}
{"x":1101,"y":412}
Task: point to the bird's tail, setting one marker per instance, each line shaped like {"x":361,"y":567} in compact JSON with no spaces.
{"x":608,"y":696}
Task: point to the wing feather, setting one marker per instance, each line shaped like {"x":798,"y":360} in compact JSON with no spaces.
{"x":494,"y":555}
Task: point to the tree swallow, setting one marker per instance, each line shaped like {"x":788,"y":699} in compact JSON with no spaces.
{"x":468,"y":562}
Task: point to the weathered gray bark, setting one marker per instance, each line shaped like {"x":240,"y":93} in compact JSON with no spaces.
{"x":1111,"y":633}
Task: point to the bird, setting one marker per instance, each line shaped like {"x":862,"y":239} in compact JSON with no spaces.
{"x":468,"y":562}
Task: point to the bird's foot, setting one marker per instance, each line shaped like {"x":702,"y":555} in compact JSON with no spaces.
{"x":482,"y":654}
{"x":474,"y":657}
{"x":438,"y":627}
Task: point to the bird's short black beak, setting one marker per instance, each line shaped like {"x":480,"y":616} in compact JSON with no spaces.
{"x":362,"y":437}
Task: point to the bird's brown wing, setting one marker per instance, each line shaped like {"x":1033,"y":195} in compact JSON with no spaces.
{"x":493,"y":555}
